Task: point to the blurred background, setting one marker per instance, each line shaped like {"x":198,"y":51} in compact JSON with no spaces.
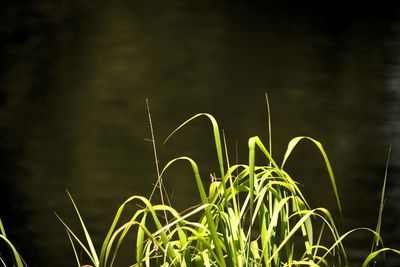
{"x":74,"y":76}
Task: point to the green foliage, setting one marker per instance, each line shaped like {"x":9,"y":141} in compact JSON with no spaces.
{"x":252,"y":216}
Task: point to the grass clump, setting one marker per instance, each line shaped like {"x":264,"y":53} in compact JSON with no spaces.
{"x":252,"y":215}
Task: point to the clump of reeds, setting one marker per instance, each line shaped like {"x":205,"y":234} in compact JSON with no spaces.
{"x":251,"y":215}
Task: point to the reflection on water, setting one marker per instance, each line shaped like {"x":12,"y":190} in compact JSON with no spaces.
{"x":73,"y":83}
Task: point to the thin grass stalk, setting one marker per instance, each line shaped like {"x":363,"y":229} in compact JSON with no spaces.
{"x":269,"y":126}
{"x":159,"y":182}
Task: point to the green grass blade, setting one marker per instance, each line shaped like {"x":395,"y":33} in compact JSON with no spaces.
{"x":217,"y":138}
{"x":374,"y":254}
{"x":140,"y":241}
{"x":87,"y":235}
{"x":375,"y":243}
{"x":85,"y":249}
{"x":103,"y":254}
{"x":289,"y":150}
{"x":2,"y":230}
{"x":122,"y":229}
{"x":16,"y":256}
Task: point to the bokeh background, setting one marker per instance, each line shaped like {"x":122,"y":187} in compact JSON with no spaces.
{"x":74,"y":76}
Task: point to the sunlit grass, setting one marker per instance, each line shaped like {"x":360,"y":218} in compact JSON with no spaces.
{"x":251,"y":215}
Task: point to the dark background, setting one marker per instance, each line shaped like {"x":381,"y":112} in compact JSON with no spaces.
{"x":74,"y":76}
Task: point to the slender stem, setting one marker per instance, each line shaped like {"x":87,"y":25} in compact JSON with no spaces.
{"x":159,"y":178}
{"x":269,"y":126}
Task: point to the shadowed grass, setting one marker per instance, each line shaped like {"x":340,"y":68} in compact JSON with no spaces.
{"x":14,"y":254}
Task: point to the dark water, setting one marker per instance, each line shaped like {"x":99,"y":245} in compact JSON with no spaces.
{"x":75,"y":75}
